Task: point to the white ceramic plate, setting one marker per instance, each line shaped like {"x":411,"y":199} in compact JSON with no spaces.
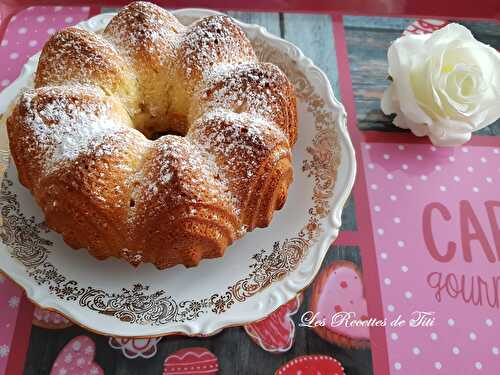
{"x":259,"y":273}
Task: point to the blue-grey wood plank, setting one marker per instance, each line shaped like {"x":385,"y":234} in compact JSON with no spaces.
{"x":313,"y":34}
{"x":381,"y":23}
{"x":483,"y":28}
{"x":109,"y":10}
{"x":269,"y":20}
{"x":349,"y":215}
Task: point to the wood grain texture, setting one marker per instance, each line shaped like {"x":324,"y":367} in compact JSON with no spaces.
{"x":368,"y":39}
{"x":271,"y":21}
{"x":313,"y":34}
{"x":378,"y":23}
{"x":349,"y":216}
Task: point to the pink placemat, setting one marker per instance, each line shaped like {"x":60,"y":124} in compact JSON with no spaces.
{"x":436,"y":223}
{"x":10,"y":298}
{"x":26,"y":34}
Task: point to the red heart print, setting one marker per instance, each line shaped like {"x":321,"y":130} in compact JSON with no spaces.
{"x":276,"y":332}
{"x":191,"y":361}
{"x":424,"y":26}
{"x":312,"y":365}
{"x":338,"y":290}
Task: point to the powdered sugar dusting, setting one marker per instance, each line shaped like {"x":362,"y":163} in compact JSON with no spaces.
{"x":191,"y":166}
{"x":133,"y":257}
{"x":165,"y":176}
{"x":240,"y":142}
{"x":142,"y":26}
{"x":75,"y":51}
{"x":213,"y":41}
{"x":249,"y":88}
{"x":219,"y":71}
{"x":65,"y":129}
{"x":242,"y":139}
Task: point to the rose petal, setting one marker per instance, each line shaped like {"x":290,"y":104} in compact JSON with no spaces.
{"x":400,"y":60}
{"x":448,"y":34}
{"x":387,"y":103}
{"x":439,"y":136}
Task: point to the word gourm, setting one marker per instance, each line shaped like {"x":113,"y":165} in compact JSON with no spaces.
{"x":471,"y":289}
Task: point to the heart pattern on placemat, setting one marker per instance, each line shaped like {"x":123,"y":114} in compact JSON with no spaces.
{"x":191,"y":361}
{"x":133,"y":348}
{"x":339,"y":290}
{"x":77,"y":358}
{"x":10,"y":302}
{"x":424,"y":26}
{"x":276,"y":332}
{"x":312,"y":365}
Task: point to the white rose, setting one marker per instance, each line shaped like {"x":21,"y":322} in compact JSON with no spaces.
{"x":444,"y":85}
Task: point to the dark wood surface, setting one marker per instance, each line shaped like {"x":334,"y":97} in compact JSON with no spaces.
{"x":367,"y":40}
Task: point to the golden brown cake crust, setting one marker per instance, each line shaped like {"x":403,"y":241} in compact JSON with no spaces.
{"x":79,"y":138}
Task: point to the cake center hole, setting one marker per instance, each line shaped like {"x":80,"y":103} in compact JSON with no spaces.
{"x":157,"y":126}
{"x":153,"y":135}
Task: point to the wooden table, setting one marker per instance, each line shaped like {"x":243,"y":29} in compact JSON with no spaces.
{"x":367,"y":40}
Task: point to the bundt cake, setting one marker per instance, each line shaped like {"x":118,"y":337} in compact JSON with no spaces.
{"x":155,"y":142}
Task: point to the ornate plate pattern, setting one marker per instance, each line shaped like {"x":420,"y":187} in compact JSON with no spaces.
{"x":258,"y":273}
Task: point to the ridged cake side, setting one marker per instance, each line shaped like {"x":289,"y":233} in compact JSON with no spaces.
{"x":259,"y":89}
{"x":183,"y":209}
{"x":255,"y":158}
{"x":75,"y":149}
